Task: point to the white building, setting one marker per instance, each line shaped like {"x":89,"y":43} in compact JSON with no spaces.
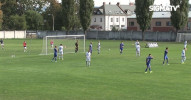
{"x":108,"y":16}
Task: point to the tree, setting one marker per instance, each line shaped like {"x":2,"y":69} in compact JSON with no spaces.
{"x":76,"y":25}
{"x":86,"y":11}
{"x":143,"y":15}
{"x":179,"y":18}
{"x":53,"y":10}
{"x":68,"y":13}
{"x":25,"y":5}
{"x":114,"y":29}
{"x":18,"y":22}
{"x":1,"y":16}
{"x":9,"y":9}
{"x":34,"y":20}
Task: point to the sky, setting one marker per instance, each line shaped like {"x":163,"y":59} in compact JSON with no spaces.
{"x":100,"y":2}
{"x":157,"y":2}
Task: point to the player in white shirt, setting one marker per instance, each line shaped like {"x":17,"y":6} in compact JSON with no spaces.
{"x":136,"y":43}
{"x":60,"y":50}
{"x":183,"y":55}
{"x":98,"y":47}
{"x":88,"y":58}
{"x":185,"y":44}
{"x":138,"y":51}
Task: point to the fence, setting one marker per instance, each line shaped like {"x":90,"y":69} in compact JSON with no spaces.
{"x":12,"y":34}
{"x":109,"y":35}
{"x":121,"y":35}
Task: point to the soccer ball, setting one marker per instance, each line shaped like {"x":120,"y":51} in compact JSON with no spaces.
{"x":109,"y":49}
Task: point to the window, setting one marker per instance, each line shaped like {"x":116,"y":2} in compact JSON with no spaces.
{"x":122,"y":26}
{"x":168,"y":23}
{"x":94,"y":19}
{"x":189,"y":26}
{"x":158,"y":23}
{"x":98,"y":13}
{"x":100,"y":19}
{"x":131,"y":23}
{"x":117,"y":19}
{"x":111,"y":19}
{"x":123,"y":19}
{"x":111,"y":26}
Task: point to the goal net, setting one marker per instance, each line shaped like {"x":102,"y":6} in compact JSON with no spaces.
{"x":181,"y":37}
{"x":68,"y":42}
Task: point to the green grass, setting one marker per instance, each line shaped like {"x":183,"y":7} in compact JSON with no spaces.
{"x":30,"y":76}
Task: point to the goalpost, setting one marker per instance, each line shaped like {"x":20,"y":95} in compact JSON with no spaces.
{"x":68,"y":41}
{"x":181,"y":37}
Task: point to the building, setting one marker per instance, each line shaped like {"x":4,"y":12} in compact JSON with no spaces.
{"x":160,"y":22}
{"x":108,"y":16}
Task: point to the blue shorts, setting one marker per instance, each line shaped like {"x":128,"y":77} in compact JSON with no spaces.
{"x":148,"y":65}
{"x":165,"y":57}
{"x":121,"y":49}
{"x":55,"y":55}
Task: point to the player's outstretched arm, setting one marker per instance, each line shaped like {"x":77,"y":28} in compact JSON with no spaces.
{"x":152,"y":57}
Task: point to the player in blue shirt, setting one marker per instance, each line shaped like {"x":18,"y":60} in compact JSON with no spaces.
{"x":148,"y":63}
{"x":2,"y":43}
{"x":55,"y":54}
{"x":165,"y":56}
{"x":121,"y":47}
{"x":90,"y":47}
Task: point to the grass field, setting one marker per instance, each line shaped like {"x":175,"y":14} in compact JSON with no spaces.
{"x":30,"y":76}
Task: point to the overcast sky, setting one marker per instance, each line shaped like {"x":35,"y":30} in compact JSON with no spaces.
{"x":157,"y":2}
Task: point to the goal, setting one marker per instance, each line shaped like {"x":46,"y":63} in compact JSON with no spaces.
{"x":68,"y":42}
{"x":181,"y":37}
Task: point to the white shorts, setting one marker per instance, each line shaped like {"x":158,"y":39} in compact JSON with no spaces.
{"x":185,"y":46}
{"x":61,"y":52}
{"x":138,"y":51}
{"x":25,"y":47}
{"x":88,"y":59}
{"x":2,"y":44}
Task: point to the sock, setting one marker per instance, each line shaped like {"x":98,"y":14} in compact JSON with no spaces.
{"x":146,"y":70}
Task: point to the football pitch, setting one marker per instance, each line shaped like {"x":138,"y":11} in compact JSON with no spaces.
{"x":111,"y":76}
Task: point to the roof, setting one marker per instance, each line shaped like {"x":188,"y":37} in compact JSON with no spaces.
{"x":159,"y":15}
{"x":115,"y":10}
{"x":128,"y":7}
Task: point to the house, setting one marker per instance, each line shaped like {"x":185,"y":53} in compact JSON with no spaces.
{"x":108,"y":16}
{"x":160,"y":22}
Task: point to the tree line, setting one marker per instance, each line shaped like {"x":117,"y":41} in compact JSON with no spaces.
{"x":45,"y":14}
